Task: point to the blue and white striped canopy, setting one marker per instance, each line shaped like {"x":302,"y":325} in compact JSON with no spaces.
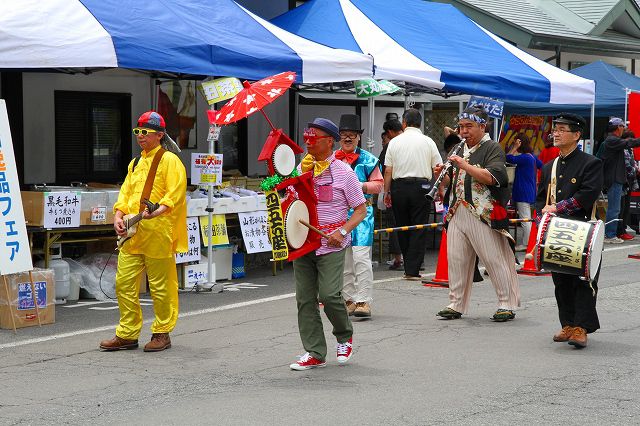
{"x":435,"y":45}
{"x":199,"y":37}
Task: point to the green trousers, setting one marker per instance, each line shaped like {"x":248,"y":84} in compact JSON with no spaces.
{"x":319,"y":279}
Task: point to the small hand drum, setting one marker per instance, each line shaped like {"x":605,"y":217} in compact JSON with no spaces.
{"x":295,"y":231}
{"x":570,"y":246}
{"x":284,"y":160}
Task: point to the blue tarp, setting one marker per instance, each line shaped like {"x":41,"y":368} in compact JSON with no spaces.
{"x":611,"y":83}
{"x":197,"y":37}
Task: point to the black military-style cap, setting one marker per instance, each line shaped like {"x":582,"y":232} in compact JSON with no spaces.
{"x":570,"y":118}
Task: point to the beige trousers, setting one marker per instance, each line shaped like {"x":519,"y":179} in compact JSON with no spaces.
{"x":358,"y":275}
{"x":466,"y":237}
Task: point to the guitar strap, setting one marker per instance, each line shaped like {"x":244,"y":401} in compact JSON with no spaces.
{"x":148,"y":185}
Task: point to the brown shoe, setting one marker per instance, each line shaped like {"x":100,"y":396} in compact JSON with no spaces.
{"x":159,"y":342}
{"x":578,"y":338}
{"x":564,"y":334}
{"x":118,"y":344}
{"x":350,"y":307}
{"x":363,"y":310}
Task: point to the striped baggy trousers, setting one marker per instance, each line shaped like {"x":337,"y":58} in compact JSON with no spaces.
{"x":466,"y":237}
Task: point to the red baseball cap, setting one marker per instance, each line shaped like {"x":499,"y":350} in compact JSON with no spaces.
{"x":152,"y":120}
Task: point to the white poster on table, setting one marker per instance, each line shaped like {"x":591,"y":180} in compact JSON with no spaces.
{"x":206,"y":168}
{"x":193,"y":236}
{"x":255,"y":232}
{"x":15,"y":254}
{"x":62,"y":209}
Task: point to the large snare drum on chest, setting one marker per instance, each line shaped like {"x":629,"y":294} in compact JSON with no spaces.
{"x":295,"y":232}
{"x":569,"y":246}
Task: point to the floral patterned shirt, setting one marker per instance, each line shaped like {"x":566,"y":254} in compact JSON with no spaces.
{"x":480,"y":201}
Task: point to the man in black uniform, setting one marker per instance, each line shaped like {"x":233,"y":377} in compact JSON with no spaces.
{"x":579,"y":182}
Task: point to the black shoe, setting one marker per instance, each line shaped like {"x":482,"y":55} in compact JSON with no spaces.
{"x":448,"y":313}
{"x":503,"y":315}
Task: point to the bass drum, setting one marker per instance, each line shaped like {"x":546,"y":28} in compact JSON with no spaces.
{"x":570,"y":246}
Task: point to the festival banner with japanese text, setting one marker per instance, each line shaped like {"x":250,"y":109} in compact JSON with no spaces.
{"x":255,"y":231}
{"x":536,"y":127}
{"x":369,"y":88}
{"x":193,"y":253}
{"x":62,"y":209}
{"x":220,"y":89}
{"x":279,"y":248}
{"x":15,"y":254}
{"x":217,"y":231}
{"x":206,"y":168}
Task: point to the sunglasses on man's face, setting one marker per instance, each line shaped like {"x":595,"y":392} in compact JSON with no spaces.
{"x":144,"y":132}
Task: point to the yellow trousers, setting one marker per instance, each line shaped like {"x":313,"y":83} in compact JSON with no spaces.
{"x":163,"y":285}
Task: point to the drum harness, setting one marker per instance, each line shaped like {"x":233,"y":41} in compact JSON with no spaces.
{"x":552,"y":199}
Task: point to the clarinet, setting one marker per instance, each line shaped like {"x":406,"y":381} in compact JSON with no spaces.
{"x":445,"y":169}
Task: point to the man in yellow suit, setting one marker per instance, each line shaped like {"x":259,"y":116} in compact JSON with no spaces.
{"x":160,"y":234}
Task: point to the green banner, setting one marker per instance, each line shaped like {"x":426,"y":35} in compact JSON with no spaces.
{"x":369,"y":88}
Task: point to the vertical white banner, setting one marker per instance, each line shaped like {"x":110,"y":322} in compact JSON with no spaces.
{"x":193,"y":234}
{"x":15,"y":255}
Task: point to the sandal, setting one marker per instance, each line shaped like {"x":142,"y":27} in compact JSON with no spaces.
{"x":503,"y":315}
{"x":448,"y":313}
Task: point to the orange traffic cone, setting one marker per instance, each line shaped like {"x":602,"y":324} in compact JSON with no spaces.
{"x":529,"y":267}
{"x":441,"y":279}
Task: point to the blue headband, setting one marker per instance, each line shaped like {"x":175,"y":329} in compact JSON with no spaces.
{"x":472,"y":117}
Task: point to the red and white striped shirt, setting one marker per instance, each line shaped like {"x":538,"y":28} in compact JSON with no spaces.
{"x":346,"y":194}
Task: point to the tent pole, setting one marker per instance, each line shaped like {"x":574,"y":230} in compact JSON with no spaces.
{"x":626,"y":105}
{"x":592,"y":126}
{"x":296,"y":118}
{"x":211,"y":280}
{"x":372,"y":114}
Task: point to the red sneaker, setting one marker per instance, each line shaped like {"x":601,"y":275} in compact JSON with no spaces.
{"x":344,"y":351}
{"x":626,"y":237}
{"x":307,"y":362}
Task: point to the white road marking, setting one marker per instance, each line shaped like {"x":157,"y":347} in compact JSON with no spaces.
{"x":622,"y":247}
{"x":112,"y":327}
{"x":85,"y":304}
{"x":111,"y":308}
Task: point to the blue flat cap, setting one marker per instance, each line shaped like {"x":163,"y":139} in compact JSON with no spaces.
{"x":326,"y":125}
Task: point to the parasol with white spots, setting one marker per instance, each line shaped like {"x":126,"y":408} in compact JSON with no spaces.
{"x":253,"y":98}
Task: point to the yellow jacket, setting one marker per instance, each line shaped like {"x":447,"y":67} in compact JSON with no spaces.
{"x":166,"y":234}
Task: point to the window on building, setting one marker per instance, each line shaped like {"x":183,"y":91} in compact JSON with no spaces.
{"x":93,"y":136}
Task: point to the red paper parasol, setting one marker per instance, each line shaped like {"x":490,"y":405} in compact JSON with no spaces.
{"x":253,"y":98}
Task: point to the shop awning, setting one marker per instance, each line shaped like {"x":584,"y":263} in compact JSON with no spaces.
{"x":436,"y":46}
{"x":611,"y":93}
{"x":196,"y":37}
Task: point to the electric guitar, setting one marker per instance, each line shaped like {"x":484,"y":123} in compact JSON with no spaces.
{"x":131,"y":221}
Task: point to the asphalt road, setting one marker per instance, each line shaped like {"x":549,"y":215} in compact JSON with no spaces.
{"x":231,"y":351}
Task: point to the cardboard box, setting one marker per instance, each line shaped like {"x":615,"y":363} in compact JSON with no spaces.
{"x":22,"y":308}
{"x":96,"y":207}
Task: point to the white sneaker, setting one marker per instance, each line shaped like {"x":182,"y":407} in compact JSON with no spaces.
{"x":613,"y":240}
{"x":344,"y":351}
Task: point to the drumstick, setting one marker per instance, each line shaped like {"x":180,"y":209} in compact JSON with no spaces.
{"x":529,"y":255}
{"x":313,"y":228}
